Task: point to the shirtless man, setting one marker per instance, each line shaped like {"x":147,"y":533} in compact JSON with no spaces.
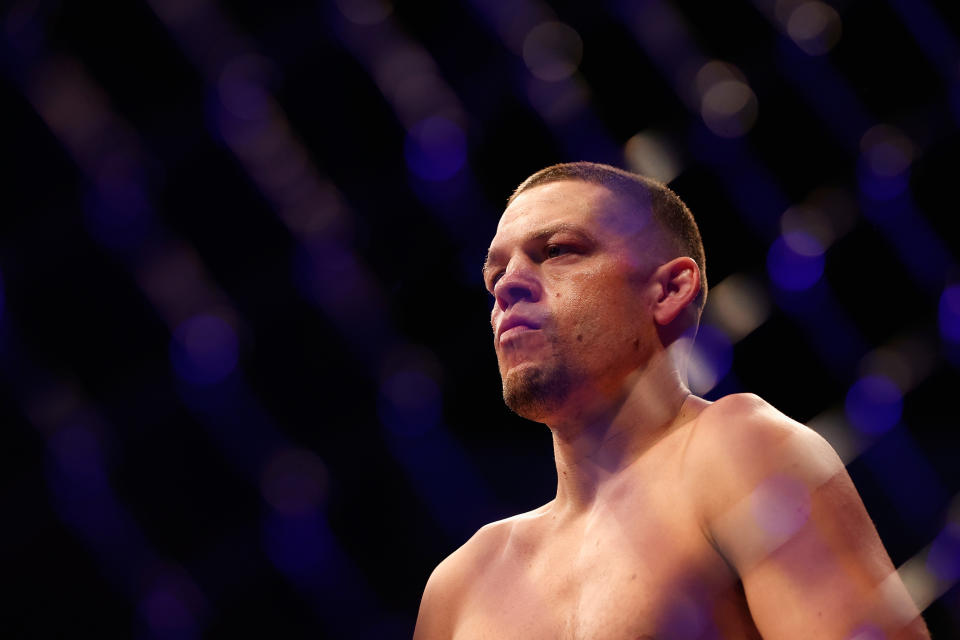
{"x":674,"y":517}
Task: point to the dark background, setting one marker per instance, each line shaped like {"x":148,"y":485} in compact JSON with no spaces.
{"x":247,"y":380}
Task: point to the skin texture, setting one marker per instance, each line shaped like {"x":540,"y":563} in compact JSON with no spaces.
{"x":674,"y":517}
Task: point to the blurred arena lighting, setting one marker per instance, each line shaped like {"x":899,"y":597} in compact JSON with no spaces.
{"x":948,"y":314}
{"x":552,"y":51}
{"x":813,"y":26}
{"x":410,"y":402}
{"x":652,"y":154}
{"x":738,"y":304}
{"x":781,"y":507}
{"x":795,"y":261}
{"x":826,"y":225}
{"x":172,"y":605}
{"x":436,"y":149}
{"x":294,"y":481}
{"x":906,"y":361}
{"x":365,"y":12}
{"x":560,"y":101}
{"x":834,"y":427}
{"x":874,"y":404}
{"x":935,"y":569}
{"x":564,"y":103}
{"x":886,"y":155}
{"x":204,"y":349}
{"x":299,"y":545}
{"x":710,"y":360}
{"x":728,"y":105}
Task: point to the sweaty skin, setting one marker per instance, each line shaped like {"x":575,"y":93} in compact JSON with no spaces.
{"x":674,"y":517}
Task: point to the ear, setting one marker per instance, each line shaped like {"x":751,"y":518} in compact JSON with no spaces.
{"x":678,"y":285}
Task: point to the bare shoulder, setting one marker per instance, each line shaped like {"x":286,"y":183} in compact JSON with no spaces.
{"x":451,"y":580}
{"x":742,"y":448}
{"x":779,"y":506}
{"x":742,"y":439}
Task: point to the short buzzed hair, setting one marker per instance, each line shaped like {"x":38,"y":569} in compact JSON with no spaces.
{"x":666,"y":207}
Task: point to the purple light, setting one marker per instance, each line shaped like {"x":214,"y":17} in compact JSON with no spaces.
{"x":881,"y":187}
{"x":949,"y":313}
{"x":118,"y":211}
{"x":943,"y":560}
{"x":874,"y":404}
{"x":77,"y":450}
{"x":410,"y":403}
{"x":711,"y":360}
{"x":204,"y":350}
{"x":436,"y":149}
{"x":167,"y":615}
{"x":297,"y":545}
{"x":795,"y":261}
{"x":294,"y":481}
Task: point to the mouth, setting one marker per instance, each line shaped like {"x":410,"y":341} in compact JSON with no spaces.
{"x":514,"y":326}
{"x":516,"y":331}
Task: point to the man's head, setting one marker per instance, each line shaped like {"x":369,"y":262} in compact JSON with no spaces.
{"x":647,"y":195}
{"x":592,"y":275}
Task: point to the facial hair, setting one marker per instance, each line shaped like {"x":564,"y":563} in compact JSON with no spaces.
{"x":535,"y":391}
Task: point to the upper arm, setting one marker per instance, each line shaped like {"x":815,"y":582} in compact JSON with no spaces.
{"x":435,"y":618}
{"x":785,"y":514}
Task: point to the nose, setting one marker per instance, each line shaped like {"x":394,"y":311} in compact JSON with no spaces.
{"x":518,"y":283}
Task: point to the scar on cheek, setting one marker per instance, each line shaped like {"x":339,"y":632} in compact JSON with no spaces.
{"x":636,"y":344}
{"x":579,"y":337}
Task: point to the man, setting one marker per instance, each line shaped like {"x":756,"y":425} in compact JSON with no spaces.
{"x":674,"y":517}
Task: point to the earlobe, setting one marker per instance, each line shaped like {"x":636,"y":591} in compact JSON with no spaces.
{"x":679,"y":285}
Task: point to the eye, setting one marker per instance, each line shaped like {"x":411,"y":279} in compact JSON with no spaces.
{"x":493,"y":281}
{"x":556,"y":250}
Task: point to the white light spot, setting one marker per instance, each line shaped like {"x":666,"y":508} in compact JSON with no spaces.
{"x":552,"y":51}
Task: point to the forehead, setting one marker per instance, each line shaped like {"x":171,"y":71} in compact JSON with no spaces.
{"x":591,"y":206}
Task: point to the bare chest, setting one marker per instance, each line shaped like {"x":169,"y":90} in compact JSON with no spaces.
{"x":625,"y":577}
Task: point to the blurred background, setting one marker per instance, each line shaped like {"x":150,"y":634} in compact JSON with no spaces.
{"x":246,"y":375}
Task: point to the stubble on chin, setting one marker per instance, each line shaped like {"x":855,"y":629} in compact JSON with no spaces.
{"x":533,"y":392}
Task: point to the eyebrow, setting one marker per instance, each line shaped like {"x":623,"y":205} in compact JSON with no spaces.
{"x":541,"y":234}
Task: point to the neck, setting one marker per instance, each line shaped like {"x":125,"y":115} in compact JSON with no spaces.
{"x":597,"y":440}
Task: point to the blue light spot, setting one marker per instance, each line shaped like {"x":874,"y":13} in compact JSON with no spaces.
{"x":944,"y":557}
{"x":167,"y":615}
{"x":795,"y":261}
{"x":435,"y":149}
{"x":711,"y":359}
{"x":882,"y":186}
{"x":297,"y":545}
{"x":204,"y":350}
{"x":409,"y":403}
{"x":118,"y":215}
{"x":949,"y":313}
{"x":874,"y":404}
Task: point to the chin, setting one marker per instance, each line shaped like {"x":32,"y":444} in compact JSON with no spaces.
{"x":535,"y":392}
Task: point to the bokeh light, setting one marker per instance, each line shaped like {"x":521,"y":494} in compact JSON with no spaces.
{"x":552,"y":51}
{"x":652,"y":154}
{"x":294,"y":481}
{"x":949,"y":313}
{"x":710,"y":359}
{"x":728,"y":105}
{"x":943,"y":559}
{"x":204,"y":349}
{"x":813,"y":26}
{"x":365,"y":12}
{"x":795,"y":261}
{"x":885,"y":157}
{"x":780,"y":506}
{"x":738,"y":304}
{"x":436,"y":149}
{"x":874,"y":404}
{"x":410,"y":402}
